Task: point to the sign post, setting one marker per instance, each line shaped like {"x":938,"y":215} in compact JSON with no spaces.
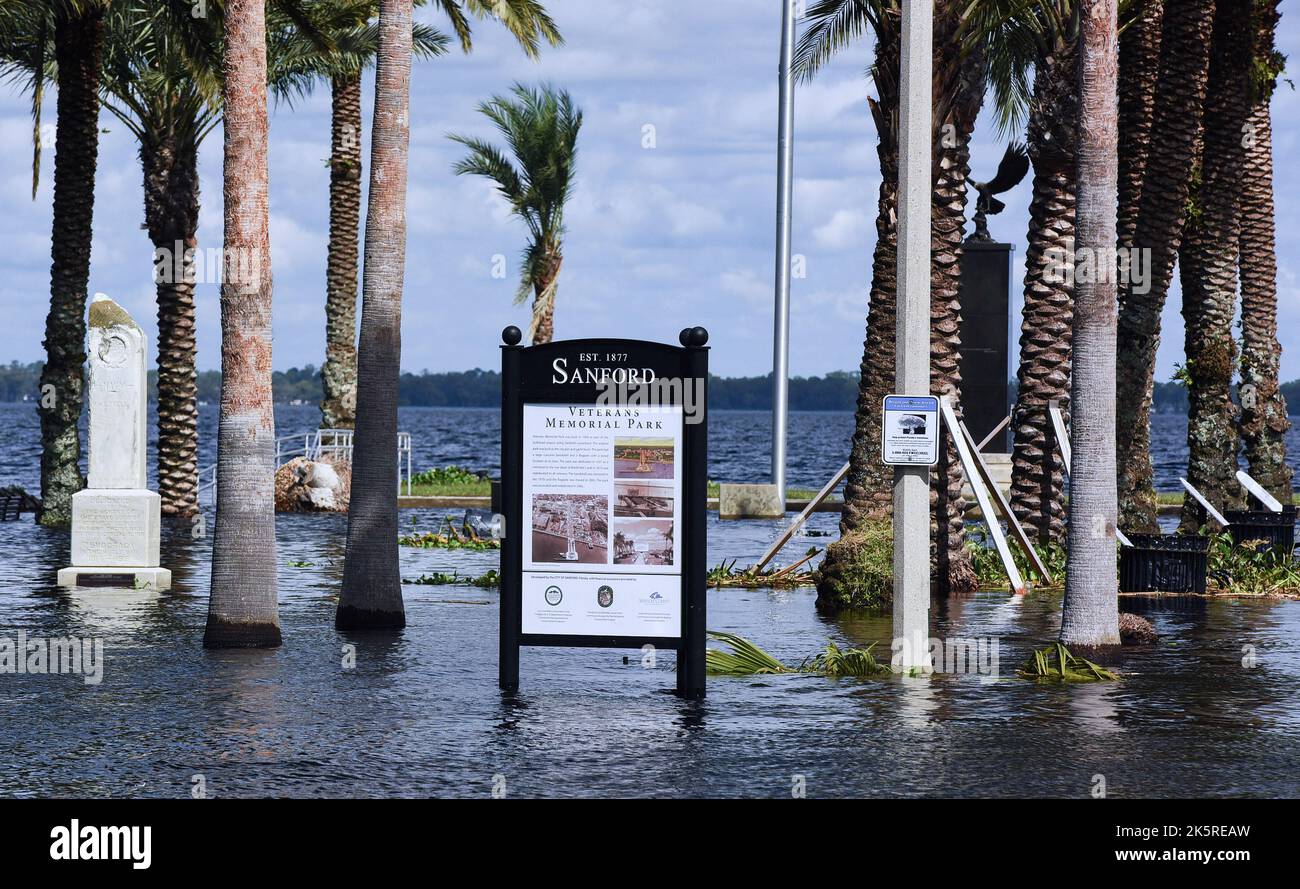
{"x":603,"y":485}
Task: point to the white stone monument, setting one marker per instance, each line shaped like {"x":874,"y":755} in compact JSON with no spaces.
{"x":116,"y":519}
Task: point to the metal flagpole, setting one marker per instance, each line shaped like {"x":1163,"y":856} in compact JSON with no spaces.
{"x":781,"y":318}
{"x":912,"y":364}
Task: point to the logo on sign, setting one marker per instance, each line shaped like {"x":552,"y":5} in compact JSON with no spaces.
{"x":605,"y":596}
{"x":553,"y":595}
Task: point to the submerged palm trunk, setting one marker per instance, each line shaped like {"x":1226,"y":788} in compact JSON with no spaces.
{"x":1264,"y":420}
{"x":242,"y":609}
{"x":1090,"y":612}
{"x":78,"y":46}
{"x":339,"y":372}
{"x":1208,"y":269}
{"x":1043,"y":376}
{"x":1184,"y":67}
{"x":372,"y":587}
{"x":171,"y":210}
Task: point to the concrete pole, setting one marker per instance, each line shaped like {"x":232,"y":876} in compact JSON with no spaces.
{"x":781,"y":314}
{"x":912,"y":365}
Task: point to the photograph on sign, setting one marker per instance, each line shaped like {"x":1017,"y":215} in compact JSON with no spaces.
{"x":603,"y":489}
{"x":910,"y":430}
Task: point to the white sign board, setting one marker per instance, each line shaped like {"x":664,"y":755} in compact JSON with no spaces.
{"x":602,"y":489}
{"x":910,"y":430}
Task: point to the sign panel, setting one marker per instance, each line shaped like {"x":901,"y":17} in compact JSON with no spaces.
{"x":910,"y":430}
{"x":602,"y":501}
{"x":604,"y":448}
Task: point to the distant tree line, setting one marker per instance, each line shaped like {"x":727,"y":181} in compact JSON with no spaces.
{"x":836,"y":391}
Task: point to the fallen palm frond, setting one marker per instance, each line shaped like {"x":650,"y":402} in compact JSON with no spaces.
{"x":448,"y":537}
{"x":491,"y":580}
{"x":1056,"y":662}
{"x":727,"y":575}
{"x":747,"y":659}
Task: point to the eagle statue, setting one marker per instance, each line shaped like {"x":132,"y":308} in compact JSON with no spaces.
{"x":1013,"y":167}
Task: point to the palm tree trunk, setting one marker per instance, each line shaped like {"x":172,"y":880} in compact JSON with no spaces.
{"x":544,"y":297}
{"x":1139,"y":74}
{"x":372,"y":587}
{"x":1043,"y":376}
{"x":339,"y":372}
{"x":242,"y":608}
{"x":868,"y":486}
{"x":171,"y":212}
{"x":1264,"y":420}
{"x":1180,"y":98}
{"x":1208,"y":268}
{"x":1090,"y":612}
{"x":953,"y":570}
{"x":78,"y":47}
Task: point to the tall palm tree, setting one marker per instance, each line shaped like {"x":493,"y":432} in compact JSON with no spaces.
{"x":297,"y":61}
{"x":1090,"y":611}
{"x":242,"y":608}
{"x":541,"y":128}
{"x":162,"y":81}
{"x":1043,"y":374}
{"x":832,"y":25}
{"x":1139,"y":73}
{"x":372,"y":587}
{"x":76,"y":30}
{"x":1207,"y":266}
{"x":1186,"y":32}
{"x":1264,"y":420}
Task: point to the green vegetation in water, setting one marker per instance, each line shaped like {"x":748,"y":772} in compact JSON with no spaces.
{"x":988,"y":564}
{"x":747,"y":659}
{"x":727,"y":575}
{"x":858,"y":571}
{"x":299,"y":563}
{"x":448,"y":537}
{"x":1056,"y":663}
{"x":491,"y":580}
{"x":450,"y":481}
{"x":1252,"y":569}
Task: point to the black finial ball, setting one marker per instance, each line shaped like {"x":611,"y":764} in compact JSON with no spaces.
{"x":685,"y":336}
{"x":512,"y":335}
{"x":699,"y":336}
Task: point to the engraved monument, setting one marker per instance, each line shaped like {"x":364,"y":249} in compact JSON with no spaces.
{"x":115,"y":520}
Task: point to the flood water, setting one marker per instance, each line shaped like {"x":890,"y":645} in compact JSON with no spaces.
{"x":1213,"y":710}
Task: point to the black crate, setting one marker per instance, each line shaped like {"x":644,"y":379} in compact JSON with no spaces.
{"x":1166,"y":563}
{"x":1277,"y":528}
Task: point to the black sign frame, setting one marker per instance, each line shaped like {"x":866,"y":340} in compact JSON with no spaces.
{"x":527,"y":374}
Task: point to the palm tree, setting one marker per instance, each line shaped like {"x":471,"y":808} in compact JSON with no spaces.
{"x":77,"y":33}
{"x":1207,"y":266}
{"x":1185,"y":39}
{"x":541,"y":128}
{"x":351,"y":25}
{"x":297,"y":61}
{"x":1139,"y":73}
{"x":1090,"y":611}
{"x":832,"y":25}
{"x":372,"y":587}
{"x":1043,"y":375}
{"x":162,"y":81}
{"x":242,"y":608}
{"x":1264,"y":422}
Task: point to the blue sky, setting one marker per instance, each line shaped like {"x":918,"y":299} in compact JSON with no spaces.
{"x":659,"y":237}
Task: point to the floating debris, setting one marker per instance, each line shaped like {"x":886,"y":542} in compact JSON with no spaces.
{"x":747,"y":659}
{"x":491,"y":580}
{"x":727,"y":575}
{"x":1056,"y":662}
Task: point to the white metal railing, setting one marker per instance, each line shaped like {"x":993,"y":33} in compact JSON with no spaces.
{"x":335,"y":444}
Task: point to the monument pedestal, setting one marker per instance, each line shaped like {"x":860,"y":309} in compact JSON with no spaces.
{"x":116,"y":519}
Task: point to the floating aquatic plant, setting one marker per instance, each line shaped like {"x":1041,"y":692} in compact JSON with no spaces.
{"x":727,"y":575}
{"x":449,"y":537}
{"x":1056,"y":662}
{"x":490,"y":580}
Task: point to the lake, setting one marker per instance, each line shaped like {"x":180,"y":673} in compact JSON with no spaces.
{"x":1213,"y":710}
